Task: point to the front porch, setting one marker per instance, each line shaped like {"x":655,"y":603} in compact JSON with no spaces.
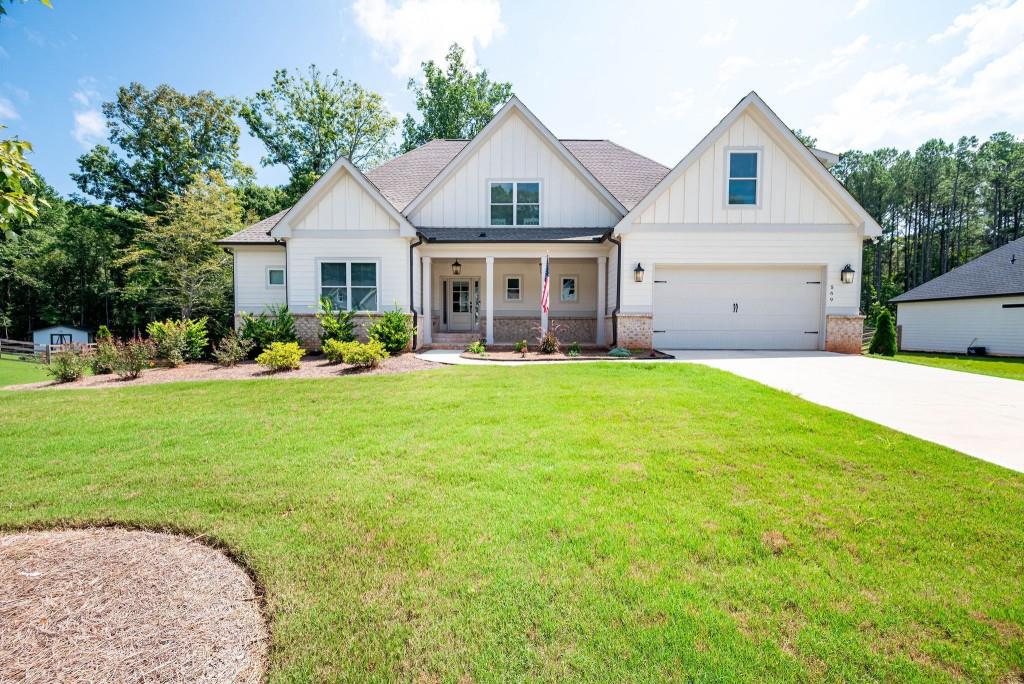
{"x":466,"y":296}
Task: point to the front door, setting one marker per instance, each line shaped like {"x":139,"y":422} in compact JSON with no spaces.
{"x":461,"y":303}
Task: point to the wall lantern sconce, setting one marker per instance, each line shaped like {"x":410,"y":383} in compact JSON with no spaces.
{"x":456,"y":267}
{"x":846,"y":275}
{"x":638,"y":273}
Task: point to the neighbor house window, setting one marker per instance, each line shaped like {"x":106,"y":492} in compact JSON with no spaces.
{"x":275,"y":277}
{"x":513,"y":288}
{"x":515,"y":204}
{"x":569,"y":288}
{"x":350,"y":285}
{"x":743,"y":177}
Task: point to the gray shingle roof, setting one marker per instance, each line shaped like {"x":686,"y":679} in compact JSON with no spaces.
{"x":628,"y":176}
{"x":1000,"y":272}
{"x":511,"y":234}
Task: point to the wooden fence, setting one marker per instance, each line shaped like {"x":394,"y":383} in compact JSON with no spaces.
{"x":27,"y":351}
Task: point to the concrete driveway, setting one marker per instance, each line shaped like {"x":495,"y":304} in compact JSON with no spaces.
{"x":979,"y":415}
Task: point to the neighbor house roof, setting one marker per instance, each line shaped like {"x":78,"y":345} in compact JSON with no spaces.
{"x":628,"y":176}
{"x":513,"y":234}
{"x":998,"y":273}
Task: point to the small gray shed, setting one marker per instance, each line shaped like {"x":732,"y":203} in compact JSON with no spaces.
{"x":61,"y":334}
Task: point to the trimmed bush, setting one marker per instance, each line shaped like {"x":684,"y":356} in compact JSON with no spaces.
{"x":476,"y":347}
{"x":334,"y":350}
{"x":66,"y":366}
{"x":103,"y":334}
{"x":620,"y":353}
{"x":393,"y":330}
{"x":335,"y":324}
{"x":231,"y":349}
{"x":884,"y":340}
{"x":104,"y":359}
{"x":133,"y":357}
{"x":281,"y":356}
{"x":365,"y":355}
{"x":277,"y":325}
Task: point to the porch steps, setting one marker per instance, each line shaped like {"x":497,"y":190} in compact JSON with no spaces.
{"x":449,"y":340}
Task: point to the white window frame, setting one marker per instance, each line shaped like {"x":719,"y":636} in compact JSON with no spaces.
{"x":515,"y":201}
{"x":348,"y":261}
{"x":575,"y":287}
{"x":284,"y":274}
{"x":758,"y":179}
{"x":519,"y":277}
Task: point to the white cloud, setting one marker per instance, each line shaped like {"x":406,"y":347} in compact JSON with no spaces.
{"x":90,"y":128}
{"x":981,"y":82}
{"x":733,"y":66}
{"x":414,"y":31}
{"x":841,"y":58}
{"x":859,"y":7}
{"x":724,"y":35}
{"x":7,"y":109}
{"x":679,"y":103}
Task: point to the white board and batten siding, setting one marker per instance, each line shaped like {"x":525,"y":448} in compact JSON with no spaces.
{"x":952,"y":325}
{"x":515,"y":151}
{"x":344,"y":205}
{"x":305,"y":255}
{"x":253,"y":292}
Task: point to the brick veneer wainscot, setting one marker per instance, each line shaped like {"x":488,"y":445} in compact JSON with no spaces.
{"x":844,"y":334}
{"x":636,"y":331}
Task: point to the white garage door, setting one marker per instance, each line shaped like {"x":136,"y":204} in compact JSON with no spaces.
{"x":737,"y":307}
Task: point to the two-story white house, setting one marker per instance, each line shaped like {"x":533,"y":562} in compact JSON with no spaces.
{"x":747,"y":243}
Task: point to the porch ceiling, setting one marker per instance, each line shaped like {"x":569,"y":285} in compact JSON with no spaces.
{"x":516,"y":234}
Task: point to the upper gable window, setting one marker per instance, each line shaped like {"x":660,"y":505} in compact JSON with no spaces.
{"x":743,"y":178}
{"x":515,"y":204}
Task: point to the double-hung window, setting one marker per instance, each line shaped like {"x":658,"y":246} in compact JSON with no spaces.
{"x":743,"y":180}
{"x":569,"y":292}
{"x":350,"y":285}
{"x":515,"y":203}
{"x":513,"y":288}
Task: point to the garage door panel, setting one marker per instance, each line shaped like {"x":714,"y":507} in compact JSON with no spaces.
{"x":737,"y":307}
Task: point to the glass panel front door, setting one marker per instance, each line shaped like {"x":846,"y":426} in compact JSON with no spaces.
{"x":461,"y":304}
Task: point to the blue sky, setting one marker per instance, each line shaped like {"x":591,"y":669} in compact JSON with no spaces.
{"x":652,"y":76}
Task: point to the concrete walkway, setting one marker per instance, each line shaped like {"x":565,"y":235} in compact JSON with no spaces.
{"x":978,"y":415}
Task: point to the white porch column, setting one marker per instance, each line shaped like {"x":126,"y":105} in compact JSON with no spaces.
{"x":602,"y":295}
{"x":543,"y":313}
{"x":426,"y":300}
{"x":490,"y":300}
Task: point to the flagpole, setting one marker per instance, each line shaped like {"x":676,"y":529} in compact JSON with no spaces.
{"x":545,"y":297}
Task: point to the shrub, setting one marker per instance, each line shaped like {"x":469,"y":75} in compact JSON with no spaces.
{"x":103,"y":334}
{"x":133,"y":357}
{"x":336,"y":325}
{"x":66,"y":366}
{"x":277,"y":325}
{"x":104,"y":360}
{"x":231,"y":349}
{"x":281,"y":356}
{"x":521,"y":347}
{"x":574,"y":350}
{"x":364,"y":355}
{"x":619,"y":353}
{"x":392,"y":329}
{"x":179,"y":341}
{"x":476,"y":347}
{"x":884,"y":340}
{"x":334,"y":350}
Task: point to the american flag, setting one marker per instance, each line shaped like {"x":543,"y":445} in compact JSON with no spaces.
{"x":544,"y":292}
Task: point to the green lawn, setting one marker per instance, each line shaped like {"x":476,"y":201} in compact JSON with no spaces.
{"x":14,"y":371}
{"x":1012,"y":368}
{"x":600,"y":522}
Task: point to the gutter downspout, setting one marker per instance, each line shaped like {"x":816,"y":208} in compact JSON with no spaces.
{"x":618,"y":289}
{"x":287,"y":274}
{"x":412,"y":308}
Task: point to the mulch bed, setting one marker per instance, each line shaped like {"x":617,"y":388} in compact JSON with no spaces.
{"x":111,"y":605}
{"x":312,"y":367}
{"x":585,"y":355}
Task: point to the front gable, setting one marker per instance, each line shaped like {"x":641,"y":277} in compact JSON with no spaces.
{"x":793,"y":186}
{"x":515,"y":147}
{"x":342,"y":200}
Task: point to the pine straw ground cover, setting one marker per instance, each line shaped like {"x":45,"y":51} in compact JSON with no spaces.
{"x":593,"y":522}
{"x":112,"y":605}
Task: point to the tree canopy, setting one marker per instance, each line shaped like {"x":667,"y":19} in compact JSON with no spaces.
{"x":452,"y":102}
{"x":159,"y":140}
{"x":306,"y":121}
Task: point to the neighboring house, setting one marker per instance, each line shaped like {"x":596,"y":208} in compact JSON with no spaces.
{"x":61,"y":334}
{"x":979,"y":304}
{"x":748,"y":243}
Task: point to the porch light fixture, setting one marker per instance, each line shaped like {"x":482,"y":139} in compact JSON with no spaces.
{"x":846,"y":275}
{"x":456,"y":267}
{"x":638,"y":273}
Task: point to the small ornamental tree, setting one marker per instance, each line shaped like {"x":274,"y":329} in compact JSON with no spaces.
{"x":884,"y":340}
